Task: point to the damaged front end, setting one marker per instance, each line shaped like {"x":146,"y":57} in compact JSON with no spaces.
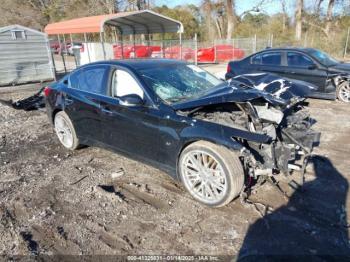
{"x":288,"y":126}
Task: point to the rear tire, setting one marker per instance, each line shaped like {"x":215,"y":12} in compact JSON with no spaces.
{"x":212,"y":174}
{"x":65,"y":131}
{"x":343,"y":92}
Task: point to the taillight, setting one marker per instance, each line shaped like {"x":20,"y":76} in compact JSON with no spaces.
{"x":82,"y":48}
{"x":47,"y":91}
{"x":228,"y":68}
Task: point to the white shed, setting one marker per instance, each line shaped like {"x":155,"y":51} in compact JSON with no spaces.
{"x":25,"y":56}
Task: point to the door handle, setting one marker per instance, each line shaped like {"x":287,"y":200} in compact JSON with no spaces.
{"x":105,"y":109}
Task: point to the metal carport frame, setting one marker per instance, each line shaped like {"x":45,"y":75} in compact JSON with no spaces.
{"x":127,"y":23}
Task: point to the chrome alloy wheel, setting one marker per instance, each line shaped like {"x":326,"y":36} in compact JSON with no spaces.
{"x":63,"y":131}
{"x":344,"y":92}
{"x":203,"y":176}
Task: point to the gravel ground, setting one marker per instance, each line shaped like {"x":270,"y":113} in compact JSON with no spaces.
{"x":92,"y":201}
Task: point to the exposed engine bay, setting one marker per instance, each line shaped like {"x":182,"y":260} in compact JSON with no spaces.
{"x":289,"y":129}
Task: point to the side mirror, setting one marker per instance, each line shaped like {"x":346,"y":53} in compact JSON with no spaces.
{"x":131,"y":100}
{"x":312,"y":67}
{"x":65,"y":82}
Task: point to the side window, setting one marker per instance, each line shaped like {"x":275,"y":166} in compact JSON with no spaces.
{"x":271,"y":58}
{"x":125,"y":84}
{"x":256,"y":60}
{"x":296,"y":59}
{"x":91,"y":80}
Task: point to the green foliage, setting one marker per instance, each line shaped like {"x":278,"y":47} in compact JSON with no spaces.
{"x":184,"y":14}
{"x":208,"y":20}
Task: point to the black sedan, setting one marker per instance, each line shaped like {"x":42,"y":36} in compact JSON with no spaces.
{"x":306,"y":64}
{"x":209,"y":134}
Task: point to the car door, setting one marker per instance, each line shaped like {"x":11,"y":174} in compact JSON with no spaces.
{"x":301,"y":67}
{"x":267,"y":62}
{"x":86,"y":88}
{"x":133,"y":129}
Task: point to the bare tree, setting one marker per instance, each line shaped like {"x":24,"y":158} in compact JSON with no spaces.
{"x":230,"y":10}
{"x":318,"y":7}
{"x":285,"y":15}
{"x":329,"y":17}
{"x":299,"y":18}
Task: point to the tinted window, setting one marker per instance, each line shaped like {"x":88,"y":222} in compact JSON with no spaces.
{"x":271,"y":58}
{"x":297,"y":59}
{"x":256,"y":60}
{"x":91,"y":80}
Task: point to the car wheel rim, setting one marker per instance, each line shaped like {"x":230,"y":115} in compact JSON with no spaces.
{"x":344,"y":92}
{"x":63,"y":132}
{"x":204,"y":176}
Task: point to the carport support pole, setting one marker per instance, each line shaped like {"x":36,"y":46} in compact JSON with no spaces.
{"x":87,"y":47}
{"x":346,"y":43}
{"x":65,"y":44}
{"x":195,"y":49}
{"x":162,"y":46}
{"x":121,"y":45}
{"x":103,"y":45}
{"x":75,"y":59}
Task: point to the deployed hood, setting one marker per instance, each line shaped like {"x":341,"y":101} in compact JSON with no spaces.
{"x":230,"y":93}
{"x":244,"y":88}
{"x":279,"y":87}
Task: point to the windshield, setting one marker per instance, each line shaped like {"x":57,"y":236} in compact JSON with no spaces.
{"x":179,"y":82}
{"x":323,"y":58}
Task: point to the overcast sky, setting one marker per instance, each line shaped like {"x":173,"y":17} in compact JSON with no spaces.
{"x":270,"y":7}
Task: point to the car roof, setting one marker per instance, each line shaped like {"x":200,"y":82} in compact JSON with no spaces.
{"x":140,"y":63}
{"x":302,"y":49}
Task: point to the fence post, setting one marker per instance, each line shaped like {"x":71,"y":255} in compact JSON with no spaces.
{"x":61,"y":53}
{"x":180,"y":46}
{"x":195,"y":49}
{"x":271,"y":42}
{"x":254,"y":44}
{"x":214,"y":50}
{"x":346,"y":43}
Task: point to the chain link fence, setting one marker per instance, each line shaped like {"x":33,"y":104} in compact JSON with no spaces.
{"x":218,"y":51}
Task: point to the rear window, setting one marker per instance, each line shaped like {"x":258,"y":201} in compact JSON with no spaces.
{"x":271,"y":58}
{"x":93,"y":80}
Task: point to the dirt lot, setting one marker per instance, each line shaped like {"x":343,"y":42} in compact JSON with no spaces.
{"x":57,"y":202}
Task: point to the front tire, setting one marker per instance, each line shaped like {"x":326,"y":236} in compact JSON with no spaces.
{"x":212,"y":174}
{"x":343,"y":92}
{"x":65,"y":131}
